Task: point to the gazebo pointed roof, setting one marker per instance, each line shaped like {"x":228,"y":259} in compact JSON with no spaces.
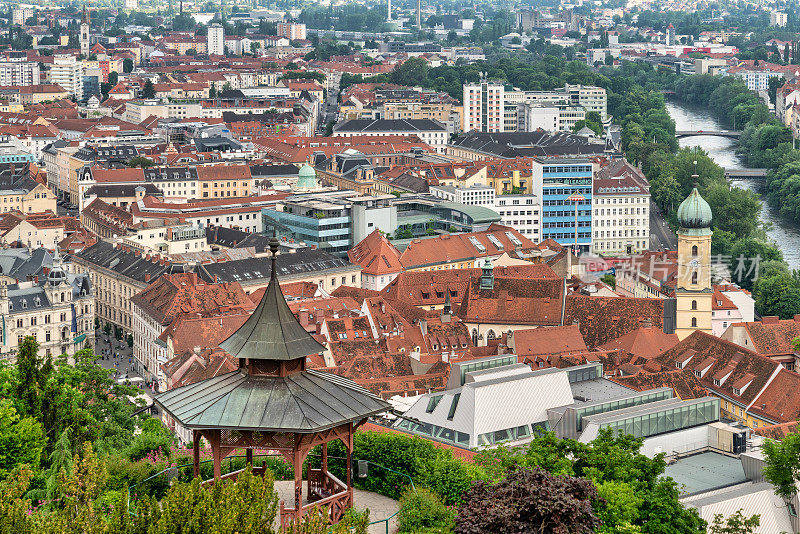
{"x":259,"y":398}
{"x":272,"y":332}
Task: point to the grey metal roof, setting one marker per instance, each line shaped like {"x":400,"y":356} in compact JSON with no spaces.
{"x":389,"y":125}
{"x":304,"y":402}
{"x":127,"y":264}
{"x":272,"y":332}
{"x":293,"y":264}
{"x":539,"y":143}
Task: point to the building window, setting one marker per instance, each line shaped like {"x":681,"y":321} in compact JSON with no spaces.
{"x":694,"y":277}
{"x":694,"y":322}
{"x":694,"y":304}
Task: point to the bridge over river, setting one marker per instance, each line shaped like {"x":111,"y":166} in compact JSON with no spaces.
{"x":744,"y":174}
{"x":731,"y":134}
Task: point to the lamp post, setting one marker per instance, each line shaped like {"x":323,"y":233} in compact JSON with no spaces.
{"x":576,"y":198}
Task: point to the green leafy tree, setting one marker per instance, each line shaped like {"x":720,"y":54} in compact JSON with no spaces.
{"x":422,"y":509}
{"x":127,"y":65}
{"x":410,"y":72}
{"x":737,"y":523}
{"x":22,"y":439}
{"x":141,"y":161}
{"x":782,"y":468}
{"x":148,"y":91}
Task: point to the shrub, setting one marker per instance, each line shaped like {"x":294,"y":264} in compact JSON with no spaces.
{"x":422,"y":510}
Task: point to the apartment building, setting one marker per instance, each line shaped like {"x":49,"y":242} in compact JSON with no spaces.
{"x":756,"y":74}
{"x":484,"y":107}
{"x":138,"y":110}
{"x":56,"y":309}
{"x":19,"y":73}
{"x":621,"y":210}
{"x":67,"y":72}
{"x":292,"y":30}
{"x":429,"y":131}
{"x":117,"y":273}
{"x":215,"y":40}
{"x":492,"y":107}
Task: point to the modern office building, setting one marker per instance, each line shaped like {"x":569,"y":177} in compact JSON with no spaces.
{"x":566,"y":193}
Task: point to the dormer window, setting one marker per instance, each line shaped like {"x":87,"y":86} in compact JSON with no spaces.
{"x":679,"y":365}
{"x":24,"y":304}
{"x":716,"y":382}
{"x":698,"y":374}
{"x":736,"y":391}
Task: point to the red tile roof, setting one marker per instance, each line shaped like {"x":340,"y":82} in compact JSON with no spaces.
{"x":685,"y":385}
{"x":544,"y":341}
{"x":602,"y":319}
{"x":451,"y":248}
{"x":777,"y":432}
{"x":779,"y":401}
{"x":746,"y":367}
{"x":644,"y":342}
{"x":177,"y":294}
{"x":376,"y":255}
{"x":773,"y":336}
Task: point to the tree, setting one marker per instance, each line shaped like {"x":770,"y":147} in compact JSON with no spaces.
{"x":616,"y":467}
{"x":411,"y":72}
{"x":734,"y":524}
{"x":529,"y":500}
{"x":127,"y":65}
{"x":32,"y":376}
{"x":148,"y":91}
{"x":141,"y":161}
{"x":191,"y":52}
{"x":113,"y":78}
{"x":782,"y":468}
{"x":22,"y":439}
{"x":774,"y":83}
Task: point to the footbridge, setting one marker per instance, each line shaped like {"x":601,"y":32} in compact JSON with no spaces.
{"x":732,"y":134}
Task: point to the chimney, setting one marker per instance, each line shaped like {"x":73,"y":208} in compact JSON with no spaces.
{"x":146,"y":277}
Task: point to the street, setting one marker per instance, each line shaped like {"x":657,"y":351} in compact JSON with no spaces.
{"x":661,"y":235}
{"x":116,"y":355}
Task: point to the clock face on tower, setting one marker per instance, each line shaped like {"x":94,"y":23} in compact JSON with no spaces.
{"x":694,"y":264}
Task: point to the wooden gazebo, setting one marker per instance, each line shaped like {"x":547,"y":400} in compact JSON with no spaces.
{"x":273,"y":402}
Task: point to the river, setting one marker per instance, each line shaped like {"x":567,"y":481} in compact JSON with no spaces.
{"x":786,"y":234}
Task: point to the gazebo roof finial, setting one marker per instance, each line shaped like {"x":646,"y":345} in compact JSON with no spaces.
{"x":272,"y":332}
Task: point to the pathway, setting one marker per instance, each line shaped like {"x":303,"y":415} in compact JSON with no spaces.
{"x":380,"y":507}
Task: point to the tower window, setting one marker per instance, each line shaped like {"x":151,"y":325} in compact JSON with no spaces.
{"x":694,"y":251}
{"x":694,"y":322}
{"x":694,"y":304}
{"x":694,"y":278}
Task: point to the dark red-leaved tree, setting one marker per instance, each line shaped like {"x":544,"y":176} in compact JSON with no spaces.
{"x":529,"y":501}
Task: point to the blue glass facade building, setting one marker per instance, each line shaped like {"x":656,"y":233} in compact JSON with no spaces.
{"x":560,"y":180}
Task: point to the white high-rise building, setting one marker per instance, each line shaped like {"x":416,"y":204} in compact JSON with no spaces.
{"x":67,"y":72}
{"x":216,"y":40}
{"x":484,"y":107}
{"x":778,"y":18}
{"x":19,"y":73}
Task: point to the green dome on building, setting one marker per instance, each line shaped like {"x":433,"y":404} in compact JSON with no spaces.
{"x":694,"y":213}
{"x":307,"y":178}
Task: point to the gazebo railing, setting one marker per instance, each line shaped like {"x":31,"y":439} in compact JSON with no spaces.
{"x":187,"y":469}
